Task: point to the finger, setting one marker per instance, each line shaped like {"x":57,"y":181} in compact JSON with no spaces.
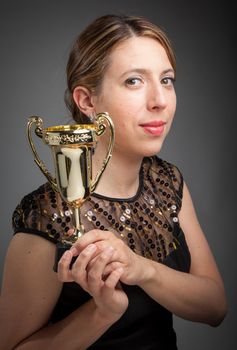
{"x":95,"y":273}
{"x":101,"y":246}
{"x":78,"y":270}
{"x":113,"y":279}
{"x":64,"y":272}
{"x":90,"y":237}
{"x":111,"y":267}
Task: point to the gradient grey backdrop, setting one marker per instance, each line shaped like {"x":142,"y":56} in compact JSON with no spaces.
{"x":35,"y":40}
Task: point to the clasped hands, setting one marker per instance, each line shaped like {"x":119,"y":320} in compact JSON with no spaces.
{"x":102,"y":261}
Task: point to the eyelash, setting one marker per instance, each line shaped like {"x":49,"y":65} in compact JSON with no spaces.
{"x":129,"y":80}
{"x":170,"y":79}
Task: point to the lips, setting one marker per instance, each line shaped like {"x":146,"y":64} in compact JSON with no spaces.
{"x":155,"y":127}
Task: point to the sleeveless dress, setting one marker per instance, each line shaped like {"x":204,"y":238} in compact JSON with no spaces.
{"x":148,"y":223}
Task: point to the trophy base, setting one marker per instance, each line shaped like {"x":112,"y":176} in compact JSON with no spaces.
{"x":60,"y":250}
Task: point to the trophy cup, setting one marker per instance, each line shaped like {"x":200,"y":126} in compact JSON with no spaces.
{"x":72,"y":147}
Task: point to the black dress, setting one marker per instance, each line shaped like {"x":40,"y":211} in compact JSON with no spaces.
{"x":148,"y":223}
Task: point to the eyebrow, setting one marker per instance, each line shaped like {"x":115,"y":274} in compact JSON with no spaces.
{"x":143,"y":70}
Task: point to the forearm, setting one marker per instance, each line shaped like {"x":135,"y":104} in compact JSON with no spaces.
{"x":196,"y":298}
{"x":77,"y":331}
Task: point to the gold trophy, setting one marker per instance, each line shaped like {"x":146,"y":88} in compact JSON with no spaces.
{"x":72,"y":147}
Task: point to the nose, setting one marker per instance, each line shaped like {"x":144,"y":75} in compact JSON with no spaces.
{"x":156,"y":97}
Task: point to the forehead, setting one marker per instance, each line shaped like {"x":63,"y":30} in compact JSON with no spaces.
{"x":135,"y":51}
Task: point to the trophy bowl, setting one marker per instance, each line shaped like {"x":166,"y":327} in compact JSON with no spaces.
{"x":72,"y":147}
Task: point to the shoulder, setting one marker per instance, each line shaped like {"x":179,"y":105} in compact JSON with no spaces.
{"x":42,"y":212}
{"x":166,"y":176}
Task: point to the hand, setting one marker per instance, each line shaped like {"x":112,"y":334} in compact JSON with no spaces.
{"x":123,"y":256}
{"x":88,"y":272}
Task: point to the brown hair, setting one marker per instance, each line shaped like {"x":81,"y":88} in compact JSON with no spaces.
{"x":89,"y":56}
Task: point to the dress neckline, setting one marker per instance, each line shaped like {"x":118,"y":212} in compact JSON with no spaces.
{"x":129,"y":199}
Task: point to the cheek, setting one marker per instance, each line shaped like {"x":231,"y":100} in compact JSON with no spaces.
{"x":125,"y":114}
{"x":174,"y":102}
{"x":171,"y":108}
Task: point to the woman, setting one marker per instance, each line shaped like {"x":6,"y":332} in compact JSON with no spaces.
{"x":144,"y":255}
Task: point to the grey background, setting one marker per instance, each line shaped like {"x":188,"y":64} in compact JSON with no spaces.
{"x":35,"y":40}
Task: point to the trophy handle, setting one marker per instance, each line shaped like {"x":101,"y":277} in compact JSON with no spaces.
{"x":39,"y":132}
{"x":100,"y":120}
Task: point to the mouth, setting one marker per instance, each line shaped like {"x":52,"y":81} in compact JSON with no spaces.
{"x":156,"y":127}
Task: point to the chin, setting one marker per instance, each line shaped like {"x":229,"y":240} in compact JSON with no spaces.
{"x":152,"y":151}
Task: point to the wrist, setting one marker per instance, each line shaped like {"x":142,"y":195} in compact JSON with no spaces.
{"x":148,"y":272}
{"x":106,"y":318}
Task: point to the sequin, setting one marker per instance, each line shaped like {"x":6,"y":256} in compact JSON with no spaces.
{"x":146,"y":225}
{"x":54,"y":216}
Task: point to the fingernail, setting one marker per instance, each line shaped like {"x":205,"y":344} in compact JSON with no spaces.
{"x":91,"y":247}
{"x":109,"y":250}
{"x":67,"y":255}
{"x":74,"y":251}
{"x":120,"y":270}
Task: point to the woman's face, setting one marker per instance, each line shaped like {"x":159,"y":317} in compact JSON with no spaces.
{"x":138,"y":93}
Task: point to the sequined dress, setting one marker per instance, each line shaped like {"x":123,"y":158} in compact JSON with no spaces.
{"x":148,"y":223}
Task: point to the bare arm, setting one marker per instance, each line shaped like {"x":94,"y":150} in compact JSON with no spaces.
{"x":196,"y":296}
{"x":29,"y":293}
{"x":199,"y":295}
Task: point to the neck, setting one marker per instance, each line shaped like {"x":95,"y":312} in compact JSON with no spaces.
{"x":121,"y":177}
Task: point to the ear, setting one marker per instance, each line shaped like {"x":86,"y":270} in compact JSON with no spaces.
{"x":83,"y":99}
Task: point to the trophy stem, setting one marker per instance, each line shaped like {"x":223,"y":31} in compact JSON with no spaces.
{"x":61,"y":247}
{"x":77,"y":224}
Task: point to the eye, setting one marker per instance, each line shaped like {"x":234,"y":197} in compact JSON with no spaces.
{"x":134,"y":81}
{"x":169,"y":81}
